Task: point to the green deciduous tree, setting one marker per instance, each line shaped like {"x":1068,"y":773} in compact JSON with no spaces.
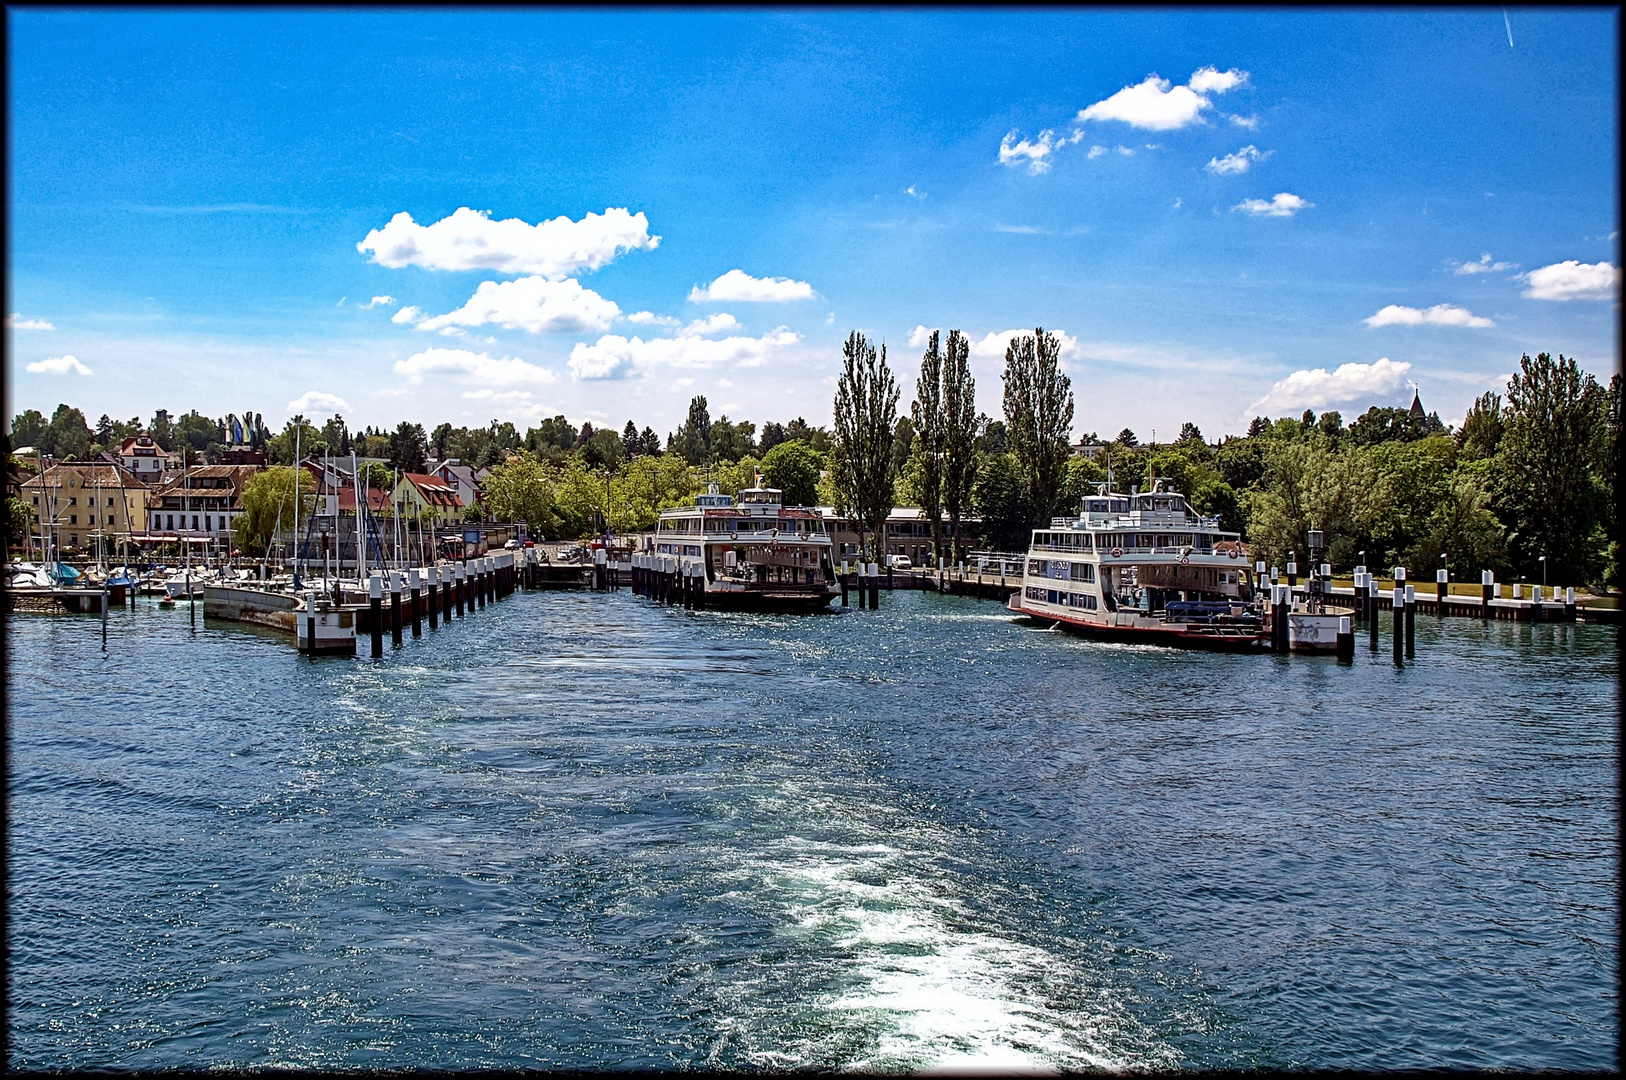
{"x":522,"y":490}
{"x":1038,"y":418}
{"x":693,"y":438}
{"x":268,"y":498}
{"x":959,"y":434}
{"x":793,"y":468}
{"x":1550,"y":462}
{"x":866,"y":409}
{"x":927,"y":414}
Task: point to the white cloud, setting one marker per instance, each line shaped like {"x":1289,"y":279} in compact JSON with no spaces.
{"x":1125,"y":151}
{"x":15,"y":321}
{"x":651,"y":317}
{"x":378,"y":301}
{"x":534,"y":304}
{"x":1485,"y":266}
{"x":1438,"y":315}
{"x":1574,"y":280}
{"x":1178,"y":203}
{"x":406,"y":315}
{"x":1237,"y":162}
{"x":910,"y":190}
{"x":616,"y":357}
{"x":516,"y":403}
{"x":921,"y":336}
{"x":470,"y":240}
{"x":737,"y":285}
{"x":1249,"y":122}
{"x":58,"y":365}
{"x":711,"y":324}
{"x":993,"y":345}
{"x":318,"y":402}
{"x":479,"y":367}
{"x":1013,"y":153}
{"x":1021,"y":230}
{"x":1157,"y":105}
{"x":1096,"y":151}
{"x":1283,"y":205}
{"x":1315,"y":388}
{"x":1208,"y":80}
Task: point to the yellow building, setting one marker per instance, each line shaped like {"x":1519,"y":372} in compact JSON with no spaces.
{"x":78,"y":503}
{"x":427,"y":498}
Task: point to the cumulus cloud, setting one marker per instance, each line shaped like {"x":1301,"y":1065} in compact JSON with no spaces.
{"x":1485,"y":266}
{"x":15,"y":321}
{"x":534,"y":304}
{"x":737,"y":285}
{"x":616,"y":357}
{"x":1283,"y":205}
{"x":478,"y":367}
{"x":711,"y":324}
{"x":1438,"y":315}
{"x":58,"y":365}
{"x":993,"y":345}
{"x":1315,"y":388}
{"x":1030,"y":153}
{"x":1574,"y":280}
{"x":408,"y":314}
{"x":1095,"y":152}
{"x":921,"y":336}
{"x":1237,"y":162}
{"x":470,"y":240}
{"x":652,"y":318}
{"x":314,"y":401}
{"x":910,"y":190}
{"x":1209,"y":80}
{"x":1156,"y":104}
{"x":378,"y":301}
{"x":1249,"y":122}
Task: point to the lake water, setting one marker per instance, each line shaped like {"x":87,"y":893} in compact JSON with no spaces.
{"x":583,"y":831}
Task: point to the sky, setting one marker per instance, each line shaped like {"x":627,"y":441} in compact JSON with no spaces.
{"x":467,"y":215}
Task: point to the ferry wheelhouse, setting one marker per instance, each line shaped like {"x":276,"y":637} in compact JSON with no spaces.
{"x":752,"y":553}
{"x":1142,"y":567}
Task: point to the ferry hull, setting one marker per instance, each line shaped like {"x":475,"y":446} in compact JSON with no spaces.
{"x":768,"y":600}
{"x":1169,"y":635}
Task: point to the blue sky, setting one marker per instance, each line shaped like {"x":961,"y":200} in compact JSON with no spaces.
{"x":610,"y":211}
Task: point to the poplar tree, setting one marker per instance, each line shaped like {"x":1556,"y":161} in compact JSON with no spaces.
{"x":959,"y":433}
{"x":866,"y":409}
{"x":1038,"y":418}
{"x":927,"y":414}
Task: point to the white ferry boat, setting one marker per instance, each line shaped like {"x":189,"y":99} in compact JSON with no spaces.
{"x":753,"y":553}
{"x":1142,"y":567}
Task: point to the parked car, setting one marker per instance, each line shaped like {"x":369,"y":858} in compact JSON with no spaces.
{"x":899,"y":562}
{"x":512,"y":545}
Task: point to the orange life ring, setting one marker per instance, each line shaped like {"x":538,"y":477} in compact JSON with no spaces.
{"x":1233,"y":553}
{"x":1185,"y":560}
{"x":1117,"y":553}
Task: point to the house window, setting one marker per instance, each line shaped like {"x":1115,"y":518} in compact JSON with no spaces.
{"x":171,"y":520}
{"x":73,"y":519}
{"x":73,"y":500}
{"x":73,"y":538}
{"x":194,"y":522}
{"x":36,"y":500}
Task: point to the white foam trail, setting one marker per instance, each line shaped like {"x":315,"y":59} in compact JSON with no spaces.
{"x":939,"y":999}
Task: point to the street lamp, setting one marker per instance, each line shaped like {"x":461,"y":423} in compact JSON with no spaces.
{"x":1544,"y":571}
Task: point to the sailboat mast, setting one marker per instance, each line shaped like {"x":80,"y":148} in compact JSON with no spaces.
{"x":297,"y":426}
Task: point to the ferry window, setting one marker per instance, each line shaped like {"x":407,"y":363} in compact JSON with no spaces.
{"x":1160,"y":504}
{"x":1084,"y":541}
{"x":1183,"y":539}
{"x":1036,"y":567}
{"x":1083,"y":571}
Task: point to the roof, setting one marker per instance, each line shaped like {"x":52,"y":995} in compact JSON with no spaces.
{"x":89,"y":473}
{"x":182,"y":481}
{"x":433,"y":489}
{"x":377,"y":499}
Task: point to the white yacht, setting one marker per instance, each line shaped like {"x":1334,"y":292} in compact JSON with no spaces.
{"x":1142,"y":567}
{"x":751,"y":553}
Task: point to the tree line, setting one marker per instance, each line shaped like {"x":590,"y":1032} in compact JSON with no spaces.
{"x":1529,"y":474}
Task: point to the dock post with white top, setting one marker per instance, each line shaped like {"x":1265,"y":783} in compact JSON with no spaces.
{"x":414,"y":591}
{"x":375,"y":601}
{"x":1442,"y":586}
{"x":1399,"y":606}
{"x":1411,"y":621}
{"x":395,"y":607}
{"x":432,"y":575}
{"x":1487,"y":581}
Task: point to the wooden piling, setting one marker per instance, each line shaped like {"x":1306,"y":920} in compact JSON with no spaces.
{"x":1487,"y":579}
{"x":395,"y":608}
